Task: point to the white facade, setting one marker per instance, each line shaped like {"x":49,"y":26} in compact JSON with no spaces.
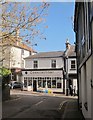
{"x":44,"y":63}
{"x":44,"y":78}
{"x":17,"y":58}
{"x":13,"y":58}
{"x":70,"y":70}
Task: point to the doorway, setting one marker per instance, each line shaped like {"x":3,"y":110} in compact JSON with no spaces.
{"x":34,"y":85}
{"x":70,"y":87}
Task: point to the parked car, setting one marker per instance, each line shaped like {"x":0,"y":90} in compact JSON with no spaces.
{"x":15,"y":84}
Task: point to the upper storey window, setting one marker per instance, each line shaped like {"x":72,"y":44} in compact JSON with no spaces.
{"x":53,"y":63}
{"x":35,"y":64}
{"x":73,"y":64}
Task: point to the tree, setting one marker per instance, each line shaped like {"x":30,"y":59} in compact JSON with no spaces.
{"x":4,"y":74}
{"x":21,"y":22}
{"x":22,"y":19}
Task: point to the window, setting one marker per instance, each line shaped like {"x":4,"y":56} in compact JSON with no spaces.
{"x":35,"y":64}
{"x":22,"y":51}
{"x":29,"y":82}
{"x":53,"y":83}
{"x":49,"y":83}
{"x":73,"y":65}
{"x":44,"y":83}
{"x":59,"y":84}
{"x":25,"y":83}
{"x":30,"y":53}
{"x":39,"y":83}
{"x":53,"y":63}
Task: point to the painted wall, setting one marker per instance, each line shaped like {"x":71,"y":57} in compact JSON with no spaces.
{"x":86,"y":88}
{"x":6,"y":55}
{"x":15,"y":57}
{"x":71,"y":71}
{"x":17,"y":60}
{"x":26,"y":54}
{"x":44,"y":63}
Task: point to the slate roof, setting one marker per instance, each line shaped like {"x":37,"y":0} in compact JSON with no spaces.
{"x":53,"y":54}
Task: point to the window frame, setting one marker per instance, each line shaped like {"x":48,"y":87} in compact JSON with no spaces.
{"x":73,"y":68}
{"x":35,"y":65}
{"x":53,"y":63}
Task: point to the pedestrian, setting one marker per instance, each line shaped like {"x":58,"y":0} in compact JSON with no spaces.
{"x":74,"y":90}
{"x":71,"y":90}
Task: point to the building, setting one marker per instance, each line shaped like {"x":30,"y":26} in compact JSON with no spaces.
{"x":70,"y":69}
{"x":83,"y":27}
{"x":12,"y":54}
{"x":53,"y":71}
{"x":44,"y":72}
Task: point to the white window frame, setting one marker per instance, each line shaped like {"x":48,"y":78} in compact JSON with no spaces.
{"x":73,"y":65}
{"x":53,"y":63}
{"x":35,"y":65}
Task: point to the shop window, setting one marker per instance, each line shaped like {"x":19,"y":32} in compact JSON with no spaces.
{"x":35,"y":64}
{"x":58,"y":85}
{"x":25,"y":78}
{"x":25,"y":83}
{"x":73,"y":64}
{"x":49,"y":83}
{"x":53,"y":63}
{"x":39,"y":83}
{"x":29,"y":82}
{"x":44,"y":83}
{"x":53,"y":83}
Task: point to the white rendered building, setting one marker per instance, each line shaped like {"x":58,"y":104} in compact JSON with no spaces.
{"x":12,"y":56}
{"x":44,"y":72}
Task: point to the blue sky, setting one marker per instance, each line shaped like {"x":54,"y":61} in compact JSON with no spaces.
{"x":59,"y":27}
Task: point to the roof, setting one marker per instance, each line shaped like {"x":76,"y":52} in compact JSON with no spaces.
{"x":53,"y":54}
{"x":24,"y":46}
{"x":18,"y":44}
{"x":71,"y":51}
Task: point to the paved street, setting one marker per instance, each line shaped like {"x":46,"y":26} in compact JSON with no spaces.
{"x":34,"y":105}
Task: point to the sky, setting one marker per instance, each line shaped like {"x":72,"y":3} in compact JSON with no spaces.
{"x":59,"y":28}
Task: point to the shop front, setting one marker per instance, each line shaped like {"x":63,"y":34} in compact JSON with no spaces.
{"x":43,"y":81}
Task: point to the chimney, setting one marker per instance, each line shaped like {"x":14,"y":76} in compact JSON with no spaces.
{"x":67,"y":44}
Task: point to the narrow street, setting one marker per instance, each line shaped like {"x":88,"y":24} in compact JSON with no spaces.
{"x":36,"y":105}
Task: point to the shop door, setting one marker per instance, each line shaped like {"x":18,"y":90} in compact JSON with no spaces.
{"x":34,"y":85}
{"x":25,"y":85}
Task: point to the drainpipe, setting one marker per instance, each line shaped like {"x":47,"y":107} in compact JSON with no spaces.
{"x":67,"y":76}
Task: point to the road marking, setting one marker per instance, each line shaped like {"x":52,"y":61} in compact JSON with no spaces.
{"x":39,"y":103}
{"x":61,"y":104}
